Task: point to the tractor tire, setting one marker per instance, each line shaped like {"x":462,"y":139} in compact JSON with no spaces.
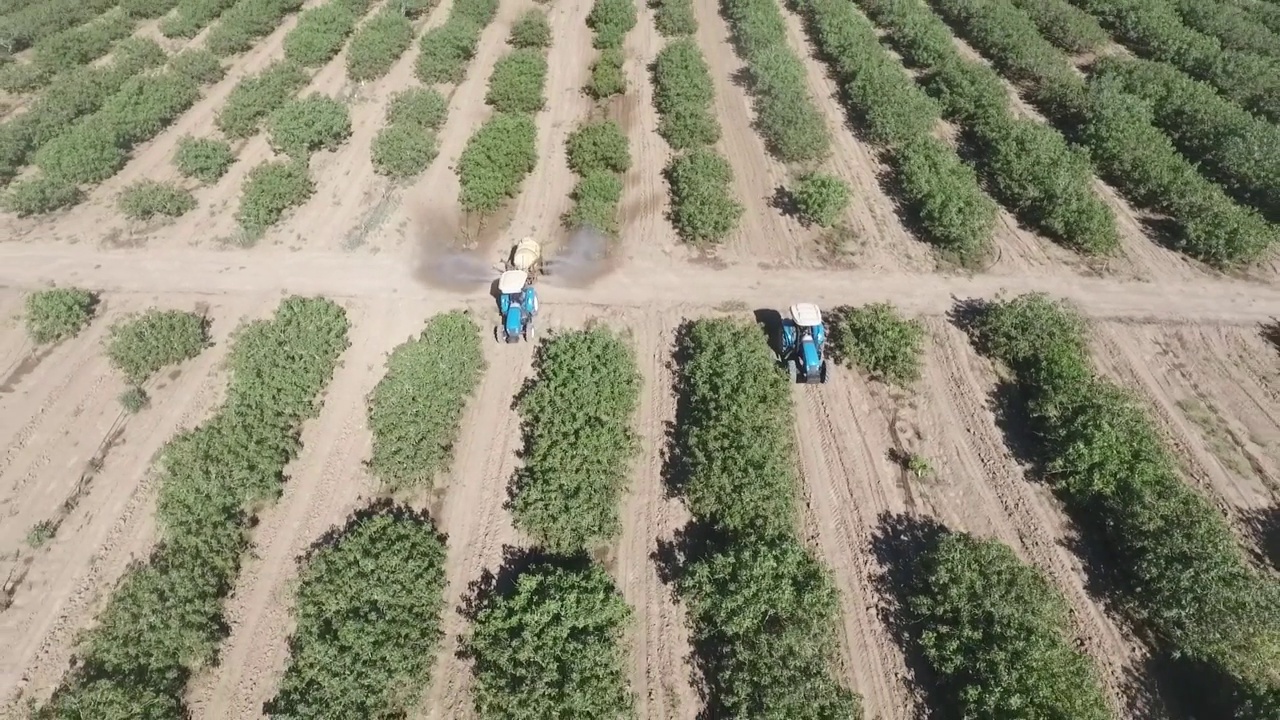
{"x":528,"y":331}
{"x":497,"y":333}
{"x":822,"y":373}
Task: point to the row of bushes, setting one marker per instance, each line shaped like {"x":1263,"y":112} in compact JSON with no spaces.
{"x":1206,"y":225}
{"x":942,"y":193}
{"x":1065,"y":25}
{"x":57,"y":314}
{"x":496,"y":160}
{"x":610,"y":20}
{"x":763,"y":611}
{"x":582,"y":397}
{"x":598,"y":154}
{"x":1252,"y":27}
{"x":703,"y":208}
{"x":33,"y":22}
{"x":322,"y":31}
{"x":792,"y":127}
{"x":246,"y":22}
{"x":1153,"y":29}
{"x":1172,"y":557}
{"x":142,"y":344}
{"x":674,"y":18}
{"x":70,"y":97}
{"x":407,"y":143}
{"x":65,"y":50}
{"x":518,"y":82}
{"x":445,"y":51}
{"x":192,"y":16}
{"x":255,"y":97}
{"x":165,"y":618}
{"x":379,"y":43}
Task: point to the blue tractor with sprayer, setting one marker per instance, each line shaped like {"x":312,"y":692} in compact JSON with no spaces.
{"x":517,"y":300}
{"x":803,"y":341}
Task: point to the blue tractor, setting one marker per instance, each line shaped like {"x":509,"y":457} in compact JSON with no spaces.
{"x":802,"y":342}
{"x":518,"y":303}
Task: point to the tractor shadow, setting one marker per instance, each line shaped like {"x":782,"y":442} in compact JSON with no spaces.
{"x":770,"y":322}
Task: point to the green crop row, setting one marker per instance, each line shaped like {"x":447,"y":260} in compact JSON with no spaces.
{"x":447,"y":50}
{"x":786,"y":118}
{"x":255,"y":97}
{"x":496,"y":160}
{"x":1153,"y":29}
{"x":942,"y":193}
{"x":407,"y":144}
{"x":24,"y":27}
{"x":703,"y":208}
{"x":367,"y":610}
{"x":165,"y":618}
{"x":1175,"y":562}
{"x":379,"y":43}
{"x":322,"y":31}
{"x":70,"y":97}
{"x":578,"y":442}
{"x":1066,"y":25}
{"x":599,"y":154}
{"x":192,"y":16}
{"x":244,"y":23}
{"x":610,"y":20}
{"x":674,"y":18}
{"x":762,"y":609}
{"x":1206,"y":225}
{"x":998,"y":634}
{"x":1232,"y":25}
{"x":518,"y":82}
{"x":65,"y":50}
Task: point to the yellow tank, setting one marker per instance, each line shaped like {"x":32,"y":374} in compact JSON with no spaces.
{"x":526,"y":255}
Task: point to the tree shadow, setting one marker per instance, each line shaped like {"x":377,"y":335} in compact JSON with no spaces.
{"x":1264,"y":526}
{"x":784,"y":201}
{"x":1270,"y":331}
{"x":1163,"y":231}
{"x":675,"y":463}
{"x":896,"y":543}
{"x":770,"y":322}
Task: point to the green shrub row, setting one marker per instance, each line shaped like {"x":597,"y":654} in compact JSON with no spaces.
{"x":598,"y":153}
{"x":147,"y":8}
{"x":1065,"y":25}
{"x":1232,"y":147}
{"x":204,"y":159}
{"x":367,"y":609}
{"x":303,"y":126}
{"x":415,"y":410}
{"x":24,"y":27}
{"x":998,"y":635}
{"x":607,"y":78}
{"x":820,"y":198}
{"x":378,"y":44}
{"x":270,"y":190}
{"x":496,"y":160}
{"x":1174,"y":560}
{"x":518,"y":82}
{"x":786,"y":118}
{"x":70,"y":97}
{"x":1153,"y":29}
{"x":1206,"y":226}
{"x":58,"y":313}
{"x":255,"y":97}
{"x":683,"y":95}
{"x":445,"y":51}
{"x":147,"y":199}
{"x":246,"y":22}
{"x":165,"y":618}
{"x":703,"y":207}
{"x":583,"y":394}
{"x":552,"y":645}
{"x":407,"y":144}
{"x":940,"y":191}
{"x":879,"y":340}
{"x":762,"y":609}
{"x":531,"y":30}
{"x":610,"y":21}
{"x":65,"y":50}
{"x":1233,"y":25}
{"x":141,"y":345}
{"x":674,"y":18}
{"x":322,"y":31}
{"x":192,"y":16}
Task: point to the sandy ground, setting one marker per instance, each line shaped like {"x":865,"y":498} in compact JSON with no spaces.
{"x":1186,"y":340}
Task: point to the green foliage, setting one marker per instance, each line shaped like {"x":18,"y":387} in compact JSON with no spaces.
{"x":134,"y":400}
{"x":378,"y":44}
{"x":607,"y":78}
{"x":578,"y":441}
{"x":23,"y":77}
{"x":786,"y":117}
{"x":41,"y":533}
{"x":59,"y":313}
{"x":674,"y":18}
{"x":517,"y":82}
{"x":496,"y":160}
{"x":200,"y":65}
{"x":81,"y":45}
{"x":146,"y":199}
{"x":192,"y":16}
{"x":595,"y":202}
{"x":998,"y":635}
{"x":531,"y":30}
{"x":447,"y":50}
{"x":270,"y":190}
{"x":40,"y":195}
{"x":257,"y":96}
{"x":703,"y":208}
{"x":415,"y":410}
{"x":147,"y":8}
{"x":423,"y":107}
{"x":205,"y":159}
{"x":165,"y":618}
{"x":368,"y":619}
{"x":683,"y":95}
{"x":145,"y":105}
{"x":552,"y":647}
{"x":611,"y":20}
{"x":820,"y":198}
{"x":600,"y":145}
{"x":245,"y":22}
{"x":321,"y":32}
{"x":879,"y":340}
{"x":407,"y":145}
{"x":35,"y":21}
{"x":1175,"y":561}
{"x":142,"y":345}
{"x":301,"y":127}
{"x":1247,"y":27}
{"x":940,"y":192}
{"x":87,"y":153}
{"x":1065,"y":25}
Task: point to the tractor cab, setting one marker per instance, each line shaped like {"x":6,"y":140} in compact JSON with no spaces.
{"x":517,"y":303}
{"x":803,"y":340}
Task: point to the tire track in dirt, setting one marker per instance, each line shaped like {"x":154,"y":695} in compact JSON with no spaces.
{"x":324,"y":485}
{"x":473,"y":517}
{"x":110,"y":527}
{"x":659,"y":638}
{"x":847,"y":483}
{"x":883,"y":240}
{"x":763,"y":234}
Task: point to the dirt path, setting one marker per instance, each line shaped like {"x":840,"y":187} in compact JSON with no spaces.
{"x":473,"y":517}
{"x":111,"y":523}
{"x":659,"y":641}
